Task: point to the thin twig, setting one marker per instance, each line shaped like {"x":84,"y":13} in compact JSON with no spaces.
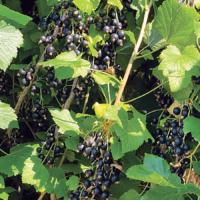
{"x":63,"y":157}
{"x":86,"y":100}
{"x":71,"y":96}
{"x":30,"y":129}
{"x":134,"y":54}
{"x":25,"y":91}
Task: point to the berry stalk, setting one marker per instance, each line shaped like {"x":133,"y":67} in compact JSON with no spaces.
{"x":134,"y":54}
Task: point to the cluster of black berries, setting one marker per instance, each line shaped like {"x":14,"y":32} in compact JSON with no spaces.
{"x":49,"y":145}
{"x":97,"y":181}
{"x":164,"y":100}
{"x":170,"y":139}
{"x":5,"y":83}
{"x":26,"y":76}
{"x":196,"y":80}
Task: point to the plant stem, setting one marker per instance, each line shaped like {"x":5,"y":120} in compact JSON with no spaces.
{"x":134,"y":54}
{"x":63,"y":157}
{"x":193,"y":151}
{"x":71,"y":96}
{"x":3,"y":152}
{"x":31,"y":130}
{"x":86,"y":100}
{"x":145,"y":93}
{"x":154,"y":111}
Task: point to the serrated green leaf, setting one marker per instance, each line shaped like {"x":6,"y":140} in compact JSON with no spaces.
{"x":17,"y":66}
{"x":175,"y":23}
{"x":175,"y":64}
{"x":72,"y":142}
{"x":196,"y":166}
{"x":191,"y":124}
{"x":17,"y":17}
{"x":130,"y":194}
{"x":153,"y":38}
{"x":116,"y":148}
{"x":68,"y":65}
{"x":116,"y":3}
{"x":173,"y":60}
{"x":56,"y":182}
{"x":2,"y":185}
{"x":14,"y":162}
{"x":10,"y":40}
{"x":4,"y":192}
{"x":155,"y":170}
{"x":100,"y":109}
{"x":87,"y":5}
{"x":70,"y":156}
{"x":103,"y":78}
{"x":158,"y":192}
{"x":133,"y":132}
{"x":116,"y":113}
{"x":147,"y":55}
{"x":72,"y":182}
{"x":43,"y":8}
{"x":8,"y":118}
{"x":64,"y":120}
{"x":131,"y":36}
{"x":76,"y":169}
{"x":34,"y":172}
{"x":129,"y":160}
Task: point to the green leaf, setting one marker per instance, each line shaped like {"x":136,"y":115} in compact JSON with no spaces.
{"x":53,"y":2}
{"x":131,"y":36}
{"x":72,"y":182}
{"x":196,"y":166}
{"x":76,"y":169}
{"x":191,"y":124}
{"x":64,"y":120}
{"x":41,"y":135}
{"x":56,"y":182}
{"x":165,"y":193}
{"x":14,"y":162}
{"x":70,"y":156}
{"x":8,"y":118}
{"x":87,"y":5}
{"x":175,"y":64}
{"x":129,"y":160}
{"x":175,"y":23}
{"x":11,"y":39}
{"x":147,"y":55}
{"x":116,"y":148}
{"x":196,"y":105}
{"x":34,"y":172}
{"x":17,"y":17}
{"x":68,"y":65}
{"x":4,"y":192}
{"x":173,"y":60}
{"x":100,"y":109}
{"x":17,"y":66}
{"x":43,"y":8}
{"x":155,"y":170}
{"x":116,"y":3}
{"x":153,"y":38}
{"x":197,"y":28}
{"x":72,"y":142}
{"x":92,"y":49}
{"x":130,"y":194}
{"x":116,"y":113}
{"x":104,"y":78}
{"x":2,"y":185}
{"x":133,"y":132}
